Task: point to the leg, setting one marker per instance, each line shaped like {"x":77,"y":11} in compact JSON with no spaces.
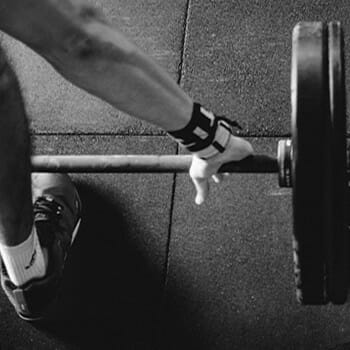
{"x":34,"y":242}
{"x":19,"y":246}
{"x":15,"y":190}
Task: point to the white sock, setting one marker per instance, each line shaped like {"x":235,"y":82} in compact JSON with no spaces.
{"x":24,"y":261}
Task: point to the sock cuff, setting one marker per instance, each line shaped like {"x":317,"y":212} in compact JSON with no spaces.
{"x":24,"y":261}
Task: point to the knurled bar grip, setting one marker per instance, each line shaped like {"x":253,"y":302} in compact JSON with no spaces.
{"x":143,"y":164}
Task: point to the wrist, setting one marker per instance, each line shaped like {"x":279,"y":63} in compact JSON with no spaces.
{"x":206,"y":135}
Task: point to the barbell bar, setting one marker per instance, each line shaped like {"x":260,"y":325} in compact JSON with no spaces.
{"x":314,"y":163}
{"x":121,"y":163}
{"x":143,"y":164}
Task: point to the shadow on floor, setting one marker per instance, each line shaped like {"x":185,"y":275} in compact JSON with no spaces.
{"x":110,"y":297}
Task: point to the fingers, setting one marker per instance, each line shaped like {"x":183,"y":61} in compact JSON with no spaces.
{"x":202,"y":189}
{"x":202,"y":186}
{"x":201,"y":172}
{"x":218,"y":178}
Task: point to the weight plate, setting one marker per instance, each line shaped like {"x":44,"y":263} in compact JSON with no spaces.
{"x":337,"y":245}
{"x":310,"y":114}
{"x":284,"y":163}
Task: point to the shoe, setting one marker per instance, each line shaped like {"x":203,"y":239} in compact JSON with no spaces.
{"x":57,"y":216}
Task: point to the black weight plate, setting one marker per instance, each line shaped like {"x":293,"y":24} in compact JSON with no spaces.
{"x":310,"y":114}
{"x":337,"y":245}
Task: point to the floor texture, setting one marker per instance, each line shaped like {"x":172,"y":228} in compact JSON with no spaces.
{"x":150,"y":269}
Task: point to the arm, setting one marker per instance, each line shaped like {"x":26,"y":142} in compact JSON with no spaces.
{"x":95,"y":56}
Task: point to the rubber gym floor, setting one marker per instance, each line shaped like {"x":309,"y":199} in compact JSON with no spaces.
{"x":150,"y":269}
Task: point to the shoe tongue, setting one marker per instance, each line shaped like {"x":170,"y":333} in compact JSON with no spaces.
{"x":41,"y":217}
{"x":45,"y":209}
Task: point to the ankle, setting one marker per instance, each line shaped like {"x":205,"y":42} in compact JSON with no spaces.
{"x":24,"y":261}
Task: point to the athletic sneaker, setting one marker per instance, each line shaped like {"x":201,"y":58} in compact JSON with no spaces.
{"x":57,"y":210}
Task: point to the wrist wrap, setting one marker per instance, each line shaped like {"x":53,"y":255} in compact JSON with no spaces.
{"x":206,"y":134}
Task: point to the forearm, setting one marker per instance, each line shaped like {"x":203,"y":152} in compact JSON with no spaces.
{"x":95,"y":56}
{"x":118,"y":72}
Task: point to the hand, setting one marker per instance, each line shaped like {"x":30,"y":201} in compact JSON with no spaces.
{"x":202,"y":170}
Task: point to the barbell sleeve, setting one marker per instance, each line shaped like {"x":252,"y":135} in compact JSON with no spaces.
{"x":143,"y":164}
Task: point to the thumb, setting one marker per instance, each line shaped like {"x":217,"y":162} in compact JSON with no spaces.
{"x":202,"y":189}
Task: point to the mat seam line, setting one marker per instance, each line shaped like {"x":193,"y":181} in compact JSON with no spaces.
{"x":173,"y":188}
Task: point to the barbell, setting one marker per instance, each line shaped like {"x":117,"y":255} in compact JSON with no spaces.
{"x":143,"y":164}
{"x":313,"y":163}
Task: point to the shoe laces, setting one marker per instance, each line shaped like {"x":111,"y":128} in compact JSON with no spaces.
{"x":46,"y":208}
{"x":47,"y":214}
